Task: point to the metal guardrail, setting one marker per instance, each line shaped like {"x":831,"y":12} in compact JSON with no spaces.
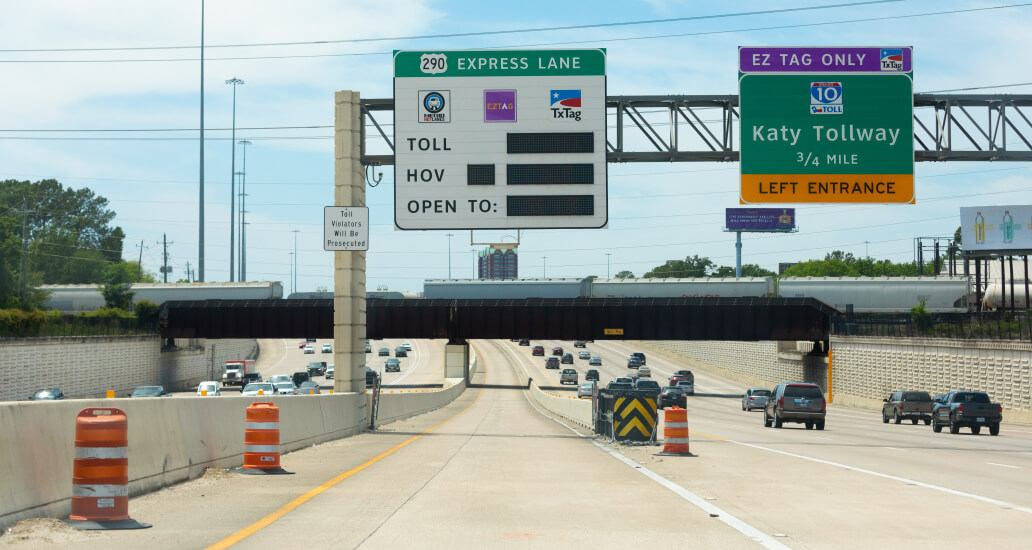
{"x":967,"y":327}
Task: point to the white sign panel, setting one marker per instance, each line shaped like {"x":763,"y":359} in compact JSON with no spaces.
{"x":491,"y":139}
{"x":996,"y":228}
{"x":345,"y":228}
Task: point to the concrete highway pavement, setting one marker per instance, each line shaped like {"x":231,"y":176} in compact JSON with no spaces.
{"x":497,"y":472}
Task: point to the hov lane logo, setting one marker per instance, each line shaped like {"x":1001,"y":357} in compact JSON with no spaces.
{"x":826,"y":98}
{"x":434,"y":106}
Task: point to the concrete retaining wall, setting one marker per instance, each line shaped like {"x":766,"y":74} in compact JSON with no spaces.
{"x":571,"y":409}
{"x":171,"y":440}
{"x":401,"y":404}
{"x":90,"y":366}
{"x":866,"y":370}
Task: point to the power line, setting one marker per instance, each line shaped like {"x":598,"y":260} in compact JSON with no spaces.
{"x":463,"y":34}
{"x":516,"y":46}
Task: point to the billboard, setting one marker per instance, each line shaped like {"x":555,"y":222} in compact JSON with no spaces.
{"x":996,"y":229}
{"x":760,"y":219}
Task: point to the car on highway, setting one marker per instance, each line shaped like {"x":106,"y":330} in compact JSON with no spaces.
{"x":614,"y":385}
{"x":591,"y":374}
{"x":647,"y":385}
{"x":50,"y":394}
{"x":568,"y":376}
{"x":285,"y":388}
{"x":316,"y":368}
{"x":302,"y":344}
{"x":673,"y":396}
{"x":150,"y":391}
{"x":674,"y":379}
{"x":309,"y":349}
{"x":640,"y":356}
{"x":966,"y":409}
{"x":624,"y":380}
{"x":585,"y":389}
{"x":308,"y":388}
{"x":537,"y":350}
{"x":580,"y":344}
{"x":584,"y":354}
{"x":755,"y":398}
{"x":400,"y":351}
{"x":687,"y":374}
{"x":644,"y":372}
{"x":595,"y":361}
{"x":370,"y":377}
{"x":384,"y":352}
{"x":251,"y":377}
{"x":327,"y":348}
{"x":258,"y":388}
{"x":552,"y":363}
{"x":329,"y":372}
{"x":368,"y":348}
{"x":392,"y":365}
{"x":567,"y":359}
{"x":633,"y":362}
{"x":209,"y":388}
{"x":798,"y":402}
{"x":407,"y":346}
{"x":558,"y":350}
{"x":686,"y":385}
{"x":301,"y":376}
{"x":913,"y":405}
{"x":277,"y":378}
{"x":524,"y":342}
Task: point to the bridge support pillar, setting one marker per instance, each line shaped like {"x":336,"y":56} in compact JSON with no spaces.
{"x":456,"y":360}
{"x":349,"y":267}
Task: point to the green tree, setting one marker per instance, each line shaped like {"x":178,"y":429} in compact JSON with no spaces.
{"x":748,"y":270}
{"x":146,"y":309}
{"x":117,"y":286}
{"x":691,"y":266}
{"x":624,"y":274}
{"x":957,"y":236}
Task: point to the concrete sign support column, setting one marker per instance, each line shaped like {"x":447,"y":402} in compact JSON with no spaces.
{"x":456,"y":360}
{"x":349,"y":267}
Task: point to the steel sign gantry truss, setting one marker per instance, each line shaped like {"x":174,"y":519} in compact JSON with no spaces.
{"x":702,"y":128}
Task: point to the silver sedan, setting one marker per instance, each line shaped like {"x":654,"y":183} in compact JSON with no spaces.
{"x":755,"y":398}
{"x":585,"y":389}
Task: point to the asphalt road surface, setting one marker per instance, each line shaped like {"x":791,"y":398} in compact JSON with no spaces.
{"x":491,"y":470}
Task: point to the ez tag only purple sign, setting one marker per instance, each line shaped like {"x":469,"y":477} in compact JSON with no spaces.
{"x":897,"y":59}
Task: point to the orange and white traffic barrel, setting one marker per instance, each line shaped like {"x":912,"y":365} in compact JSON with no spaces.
{"x":262,"y":440}
{"x":675,"y":432}
{"x":100,"y":471}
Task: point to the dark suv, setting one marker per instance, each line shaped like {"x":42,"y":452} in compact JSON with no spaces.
{"x":797,"y":402}
{"x":552,"y":363}
{"x":633,"y":362}
{"x":640,"y":356}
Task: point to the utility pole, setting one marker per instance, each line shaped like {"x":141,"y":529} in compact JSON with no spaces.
{"x":867,"y":252}
{"x":290,"y":282}
{"x":200,"y":217}
{"x":544,"y":266}
{"x":450,"y":235}
{"x":243,"y":214}
{"x":608,"y":257}
{"x":232,"y":180}
{"x":139,"y":264}
{"x":188,"y":273}
{"x":164,"y":254}
{"x":25,"y":252}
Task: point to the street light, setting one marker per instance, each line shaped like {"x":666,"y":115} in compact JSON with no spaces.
{"x":544,"y":264}
{"x":232,"y":179}
{"x":290,"y":282}
{"x":296,"y":231}
{"x":243,"y":213}
{"x":449,"y":254}
{"x":607,"y":264}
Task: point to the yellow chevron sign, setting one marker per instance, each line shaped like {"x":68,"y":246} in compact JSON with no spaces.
{"x":635,"y":418}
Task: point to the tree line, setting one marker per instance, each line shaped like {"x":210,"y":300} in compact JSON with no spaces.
{"x":834,"y":264}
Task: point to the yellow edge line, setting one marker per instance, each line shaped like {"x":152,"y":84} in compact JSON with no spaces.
{"x":292,"y":505}
{"x":439,"y":364}
{"x":707,"y":435}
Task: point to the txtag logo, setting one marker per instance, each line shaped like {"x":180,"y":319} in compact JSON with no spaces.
{"x":826,"y":98}
{"x":892,"y":60}
{"x":563,"y":103}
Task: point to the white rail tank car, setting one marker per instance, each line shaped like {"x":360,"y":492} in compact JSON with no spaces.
{"x":881,"y":294}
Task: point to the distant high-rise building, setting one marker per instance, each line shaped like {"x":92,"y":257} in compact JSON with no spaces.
{"x":498,"y":264}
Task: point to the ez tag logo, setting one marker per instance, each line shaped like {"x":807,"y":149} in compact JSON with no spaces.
{"x":826,"y":98}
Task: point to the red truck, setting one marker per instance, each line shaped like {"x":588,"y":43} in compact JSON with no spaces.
{"x":235,"y":371}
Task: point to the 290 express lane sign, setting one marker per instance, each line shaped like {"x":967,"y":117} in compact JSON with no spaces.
{"x":500,"y":139}
{"x":826,"y":125}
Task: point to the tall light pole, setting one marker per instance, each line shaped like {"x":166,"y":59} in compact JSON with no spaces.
{"x":240,"y":211}
{"x":544,"y":265}
{"x":290,"y":282}
{"x":232,"y":179}
{"x":607,"y":264}
{"x":243,"y":214}
{"x":450,"y":235}
{"x":296,"y":231}
{"x":200,"y":216}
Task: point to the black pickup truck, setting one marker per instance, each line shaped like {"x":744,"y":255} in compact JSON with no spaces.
{"x":966,"y":409}
{"x":317,"y":368}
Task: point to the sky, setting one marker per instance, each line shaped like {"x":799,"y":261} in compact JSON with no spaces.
{"x":106,"y":95}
